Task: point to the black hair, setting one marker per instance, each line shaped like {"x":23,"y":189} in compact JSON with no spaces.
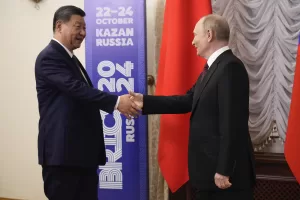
{"x":65,"y":13}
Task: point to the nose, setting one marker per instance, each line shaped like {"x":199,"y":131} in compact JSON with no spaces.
{"x":83,"y":32}
{"x":193,"y":42}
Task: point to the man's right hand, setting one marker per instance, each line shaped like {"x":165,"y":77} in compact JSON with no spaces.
{"x":137,"y":98}
{"x":127,"y":107}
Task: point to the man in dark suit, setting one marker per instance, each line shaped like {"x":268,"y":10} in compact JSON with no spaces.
{"x":70,"y":141}
{"x":220,"y":154}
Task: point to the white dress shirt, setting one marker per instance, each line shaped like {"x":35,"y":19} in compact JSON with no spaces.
{"x":215,"y":55}
{"x":71,"y":55}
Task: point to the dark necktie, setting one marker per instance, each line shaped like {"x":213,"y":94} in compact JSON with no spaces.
{"x":77,"y":65}
{"x":205,"y":69}
{"x":197,"y":87}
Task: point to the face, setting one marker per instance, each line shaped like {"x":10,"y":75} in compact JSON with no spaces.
{"x":72,"y":32}
{"x":201,"y":40}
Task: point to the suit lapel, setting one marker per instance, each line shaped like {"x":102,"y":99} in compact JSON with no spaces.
{"x":70,"y":61}
{"x":67,"y":57}
{"x":201,"y":85}
{"x":84,"y":72}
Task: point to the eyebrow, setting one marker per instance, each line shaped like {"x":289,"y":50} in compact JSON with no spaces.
{"x":78,"y":22}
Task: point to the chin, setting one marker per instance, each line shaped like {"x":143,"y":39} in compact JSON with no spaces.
{"x":77,"y":46}
{"x":198,"y":53}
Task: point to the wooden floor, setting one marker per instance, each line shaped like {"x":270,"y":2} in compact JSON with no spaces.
{"x":1,"y":198}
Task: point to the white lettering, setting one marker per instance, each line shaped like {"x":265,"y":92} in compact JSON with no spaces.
{"x":126,"y":69}
{"x":123,"y":11}
{"x":109,"y":84}
{"x":106,"y":64}
{"x":130,"y":130}
{"x":114,"y":21}
{"x":103,"y":12}
{"x":114,"y":42}
{"x":111,"y":176}
{"x":107,"y":69}
{"x":115,"y":32}
{"x":128,"y":84}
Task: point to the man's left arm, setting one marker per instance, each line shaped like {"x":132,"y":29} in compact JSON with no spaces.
{"x":231,"y":87}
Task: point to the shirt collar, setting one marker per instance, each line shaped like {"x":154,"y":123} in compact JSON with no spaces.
{"x":68,"y":51}
{"x":215,"y":55}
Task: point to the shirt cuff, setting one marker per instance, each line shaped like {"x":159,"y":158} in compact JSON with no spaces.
{"x":117,"y":104}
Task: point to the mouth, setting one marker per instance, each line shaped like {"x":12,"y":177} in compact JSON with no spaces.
{"x":79,"y":39}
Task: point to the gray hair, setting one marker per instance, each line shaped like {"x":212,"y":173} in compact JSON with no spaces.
{"x":218,"y":25}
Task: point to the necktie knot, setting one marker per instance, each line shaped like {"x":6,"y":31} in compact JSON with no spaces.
{"x":204,"y":72}
{"x":206,"y":67}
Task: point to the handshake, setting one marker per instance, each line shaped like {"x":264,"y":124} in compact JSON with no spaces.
{"x":130,"y":104}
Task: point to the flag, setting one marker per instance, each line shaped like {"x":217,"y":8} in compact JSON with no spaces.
{"x":292,"y":142}
{"x":179,"y":68}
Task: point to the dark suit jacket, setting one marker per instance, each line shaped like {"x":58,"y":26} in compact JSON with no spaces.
{"x":70,"y":125}
{"x":219,"y":139}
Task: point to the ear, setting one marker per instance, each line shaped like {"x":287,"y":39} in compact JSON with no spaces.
{"x":58,"y":26}
{"x":209,"y":35}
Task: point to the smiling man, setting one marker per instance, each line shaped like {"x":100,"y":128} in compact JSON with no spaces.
{"x":220,"y":154}
{"x":70,"y":141}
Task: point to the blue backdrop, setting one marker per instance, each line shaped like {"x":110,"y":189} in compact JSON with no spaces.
{"x":115,"y":61}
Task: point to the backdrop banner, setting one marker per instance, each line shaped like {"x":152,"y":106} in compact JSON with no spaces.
{"x":115,"y":61}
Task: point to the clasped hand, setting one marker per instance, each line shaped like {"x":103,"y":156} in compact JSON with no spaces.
{"x":222,"y":182}
{"x":133,"y":102}
{"x":130,"y":104}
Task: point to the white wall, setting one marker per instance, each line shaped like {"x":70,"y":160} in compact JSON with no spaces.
{"x":24,"y":32}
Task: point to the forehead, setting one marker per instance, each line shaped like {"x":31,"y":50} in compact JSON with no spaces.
{"x":198,"y":26}
{"x":77,"y":19}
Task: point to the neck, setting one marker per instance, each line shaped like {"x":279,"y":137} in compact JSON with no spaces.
{"x":60,"y":39}
{"x":214,"y":47}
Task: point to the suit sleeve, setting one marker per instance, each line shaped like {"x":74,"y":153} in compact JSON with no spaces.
{"x":177,"y":104}
{"x":60,"y":76}
{"x":233,"y":94}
